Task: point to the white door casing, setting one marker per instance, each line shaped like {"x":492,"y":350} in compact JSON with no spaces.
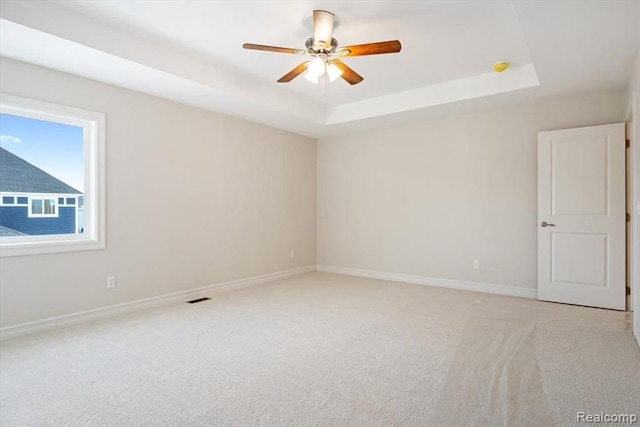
{"x":581,"y":195}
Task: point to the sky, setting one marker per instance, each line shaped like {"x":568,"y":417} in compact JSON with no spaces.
{"x":53,"y":147}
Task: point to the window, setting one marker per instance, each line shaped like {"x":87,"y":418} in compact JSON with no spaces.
{"x":42,"y":208}
{"x":50,"y":156}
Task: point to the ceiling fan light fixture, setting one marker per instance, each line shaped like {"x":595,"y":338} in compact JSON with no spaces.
{"x":312,"y":77}
{"x":333,"y":71}
{"x":316,"y":67}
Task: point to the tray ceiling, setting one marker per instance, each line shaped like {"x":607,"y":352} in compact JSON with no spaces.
{"x":191,"y":52}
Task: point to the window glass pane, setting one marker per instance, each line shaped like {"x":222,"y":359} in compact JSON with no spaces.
{"x":41,"y":157}
{"x":36,"y":207}
{"x":71,"y":201}
{"x":23,"y":200}
{"x":49,"y":206}
{"x":7,"y":200}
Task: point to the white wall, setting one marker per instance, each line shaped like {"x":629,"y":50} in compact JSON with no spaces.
{"x":428,"y":198}
{"x":193,"y":198}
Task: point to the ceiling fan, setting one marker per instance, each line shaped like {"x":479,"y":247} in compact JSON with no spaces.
{"x":325,"y":53}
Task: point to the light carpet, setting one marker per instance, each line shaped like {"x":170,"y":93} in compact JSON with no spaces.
{"x":328,"y":350}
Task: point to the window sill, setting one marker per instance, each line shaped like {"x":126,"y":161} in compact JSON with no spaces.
{"x":49,"y":247}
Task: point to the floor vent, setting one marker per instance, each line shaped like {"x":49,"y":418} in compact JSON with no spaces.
{"x":193,"y":301}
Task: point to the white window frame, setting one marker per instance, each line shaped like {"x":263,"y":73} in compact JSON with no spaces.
{"x":2,"y":203}
{"x":93,"y":125}
{"x":43,"y":215}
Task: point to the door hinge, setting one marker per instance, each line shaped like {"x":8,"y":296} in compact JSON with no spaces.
{"x":628,"y":290}
{"x":628,"y":217}
{"x":628,"y":143}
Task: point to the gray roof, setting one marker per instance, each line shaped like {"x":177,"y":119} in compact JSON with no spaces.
{"x":19,"y":176}
{"x":9,"y":232}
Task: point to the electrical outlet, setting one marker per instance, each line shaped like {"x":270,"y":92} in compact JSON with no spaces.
{"x":292,"y":253}
{"x":111,"y":282}
{"x":476,"y":264}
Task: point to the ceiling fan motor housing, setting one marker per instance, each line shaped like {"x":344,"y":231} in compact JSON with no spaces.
{"x":316,"y":48}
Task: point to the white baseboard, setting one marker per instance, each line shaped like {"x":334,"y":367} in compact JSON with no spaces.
{"x":58,"y":322}
{"x":486,"y":288}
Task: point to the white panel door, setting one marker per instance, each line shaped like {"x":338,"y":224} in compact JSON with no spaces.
{"x":581,"y":216}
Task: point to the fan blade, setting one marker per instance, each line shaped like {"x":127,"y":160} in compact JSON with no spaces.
{"x":348,"y":74}
{"x":322,"y":27}
{"x":392,"y":46}
{"x":294,"y":73}
{"x":274,"y":49}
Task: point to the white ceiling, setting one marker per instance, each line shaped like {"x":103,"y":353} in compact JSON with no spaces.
{"x":191,"y":52}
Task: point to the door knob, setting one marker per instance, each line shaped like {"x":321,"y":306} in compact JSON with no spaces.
{"x":546,"y":224}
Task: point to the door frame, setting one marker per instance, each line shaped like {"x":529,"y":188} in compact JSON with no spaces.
{"x":633,"y":116}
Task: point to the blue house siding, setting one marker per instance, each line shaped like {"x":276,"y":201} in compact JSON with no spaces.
{"x":21,"y":184}
{"x":17,"y":218}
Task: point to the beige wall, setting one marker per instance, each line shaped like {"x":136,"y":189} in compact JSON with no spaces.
{"x":193,"y":198}
{"x":196,"y":198}
{"x":428,"y":198}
